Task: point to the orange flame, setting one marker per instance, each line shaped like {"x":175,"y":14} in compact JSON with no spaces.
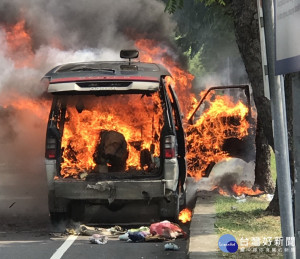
{"x":38,"y":107}
{"x":19,"y":45}
{"x":222,"y":192}
{"x":82,"y":130}
{"x":151,"y":51}
{"x":239,"y":190}
{"x":185,"y":215}
{"x":83,"y":141}
{"x":224,"y":119}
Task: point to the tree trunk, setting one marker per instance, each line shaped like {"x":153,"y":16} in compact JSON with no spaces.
{"x":244,"y":13}
{"x":273,"y":207}
{"x":263,"y":177}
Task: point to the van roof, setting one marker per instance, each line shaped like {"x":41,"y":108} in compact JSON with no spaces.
{"x":107,"y":70}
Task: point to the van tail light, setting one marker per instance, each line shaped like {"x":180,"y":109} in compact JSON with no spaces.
{"x":170,"y":151}
{"x":51,"y":148}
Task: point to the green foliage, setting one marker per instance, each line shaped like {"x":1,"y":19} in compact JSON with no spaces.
{"x":173,"y":5}
{"x":207,"y":35}
{"x":210,"y":2}
{"x":273,"y":166}
{"x":195,"y":63}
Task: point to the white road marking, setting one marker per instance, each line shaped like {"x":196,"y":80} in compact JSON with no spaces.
{"x":64,"y":247}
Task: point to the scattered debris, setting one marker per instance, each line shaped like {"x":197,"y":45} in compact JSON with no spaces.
{"x":239,"y":197}
{"x":116,"y":230}
{"x":71,"y":231}
{"x":166,"y":229}
{"x":98,"y":239}
{"x":171,"y":246}
{"x":138,"y":236}
{"x":83,"y":175}
{"x":89,"y":231}
{"x":268,"y":196}
{"x":145,"y":229}
{"x":12,"y":204}
{"x":135,"y":234}
{"x":124,"y":237}
{"x":158,"y":232}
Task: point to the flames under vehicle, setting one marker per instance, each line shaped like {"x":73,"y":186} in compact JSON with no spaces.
{"x":114,"y":143}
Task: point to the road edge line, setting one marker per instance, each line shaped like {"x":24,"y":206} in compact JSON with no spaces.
{"x":64,"y":247}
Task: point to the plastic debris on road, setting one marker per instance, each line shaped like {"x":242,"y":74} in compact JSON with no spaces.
{"x":89,"y":231}
{"x":137,"y":236}
{"x":158,"y":232}
{"x":117,"y":230}
{"x":98,"y":239}
{"x":124,"y":237}
{"x":171,"y":246}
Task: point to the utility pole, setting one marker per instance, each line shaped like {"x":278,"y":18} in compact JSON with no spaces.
{"x":280,"y":134}
{"x":296,"y":140}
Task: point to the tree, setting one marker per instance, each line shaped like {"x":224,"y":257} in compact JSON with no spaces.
{"x":248,"y":40}
{"x":201,"y":31}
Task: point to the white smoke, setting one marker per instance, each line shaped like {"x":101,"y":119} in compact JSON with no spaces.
{"x":25,"y":80}
{"x":224,"y":174}
{"x":70,"y":31}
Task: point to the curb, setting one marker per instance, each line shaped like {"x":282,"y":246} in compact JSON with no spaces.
{"x":203,"y":242}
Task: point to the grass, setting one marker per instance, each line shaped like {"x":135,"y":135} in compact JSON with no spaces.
{"x":248,"y":220}
{"x":273,"y":166}
{"x":245,"y":219}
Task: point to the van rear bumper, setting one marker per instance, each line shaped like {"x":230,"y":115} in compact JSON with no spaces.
{"x":110,"y":190}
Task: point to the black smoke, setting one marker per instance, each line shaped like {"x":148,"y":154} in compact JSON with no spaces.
{"x":90,"y":24}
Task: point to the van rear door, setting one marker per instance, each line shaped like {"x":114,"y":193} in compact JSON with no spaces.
{"x":180,"y":136}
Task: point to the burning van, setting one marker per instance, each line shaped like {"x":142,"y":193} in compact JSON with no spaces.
{"x":115,"y":142}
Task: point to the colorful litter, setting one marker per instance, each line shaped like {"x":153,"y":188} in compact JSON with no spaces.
{"x":157,"y":232}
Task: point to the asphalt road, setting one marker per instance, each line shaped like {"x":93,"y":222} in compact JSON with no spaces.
{"x":39,"y":244}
